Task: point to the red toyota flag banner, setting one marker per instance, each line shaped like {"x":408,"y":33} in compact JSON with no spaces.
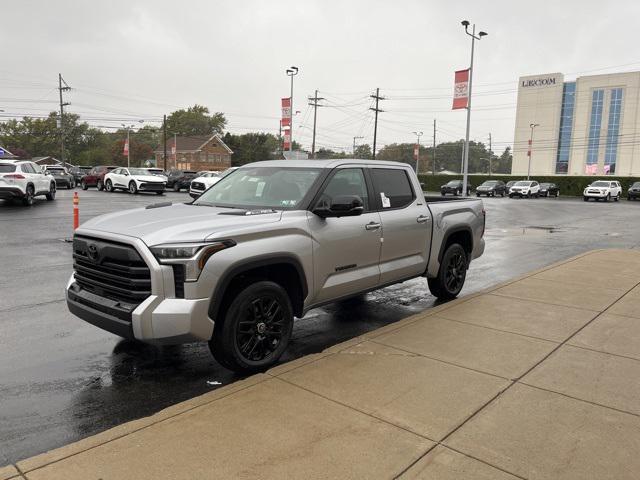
{"x":287,"y":140}
{"x":461,"y":89}
{"x":286,"y":108}
{"x":125,"y":151}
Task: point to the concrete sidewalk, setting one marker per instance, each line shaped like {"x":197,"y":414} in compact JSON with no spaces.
{"x":537,"y":378}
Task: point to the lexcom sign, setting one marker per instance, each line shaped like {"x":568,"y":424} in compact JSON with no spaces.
{"x":538,"y":82}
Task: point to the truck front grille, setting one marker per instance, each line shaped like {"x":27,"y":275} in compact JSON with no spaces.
{"x":197,"y":185}
{"x":110,"y":269}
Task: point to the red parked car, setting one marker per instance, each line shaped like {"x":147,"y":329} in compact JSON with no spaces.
{"x":95,"y":178}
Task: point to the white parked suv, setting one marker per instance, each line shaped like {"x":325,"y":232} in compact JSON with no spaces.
{"x":525,"y":188}
{"x":134,"y":180}
{"x":603,"y":189}
{"x":199,"y":184}
{"x":207,"y":179}
{"x":23,"y":180}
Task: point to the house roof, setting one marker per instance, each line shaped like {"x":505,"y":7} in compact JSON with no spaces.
{"x":194,"y":143}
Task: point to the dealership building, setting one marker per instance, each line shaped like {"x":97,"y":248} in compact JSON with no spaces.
{"x":586,"y":126}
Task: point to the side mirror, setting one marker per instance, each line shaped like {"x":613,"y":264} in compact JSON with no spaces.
{"x":341,"y":206}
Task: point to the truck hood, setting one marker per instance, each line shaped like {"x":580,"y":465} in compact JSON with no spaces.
{"x":180,"y":223}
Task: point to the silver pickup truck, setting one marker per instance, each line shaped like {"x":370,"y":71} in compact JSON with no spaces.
{"x":265,"y":244}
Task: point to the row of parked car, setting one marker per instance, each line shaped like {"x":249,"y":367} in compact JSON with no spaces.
{"x":134,"y":180}
{"x":599,"y":190}
{"x":494,"y":188}
{"x":23,"y":180}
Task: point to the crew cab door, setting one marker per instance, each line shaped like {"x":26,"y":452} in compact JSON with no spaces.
{"x":346,"y":250}
{"x":406,"y":224}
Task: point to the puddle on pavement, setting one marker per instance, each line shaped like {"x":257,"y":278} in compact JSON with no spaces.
{"x":531,"y":230}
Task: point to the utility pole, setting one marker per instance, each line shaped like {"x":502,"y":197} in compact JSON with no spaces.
{"x":61,"y":89}
{"x":164,"y":134}
{"x":433,"y":169}
{"x":175,"y":150}
{"x":490,"y":154}
{"x":465,"y":161}
{"x":315,"y":106}
{"x":291,"y":72}
{"x":418,"y":135}
{"x":375,"y":127}
{"x":354,"y":145}
{"x":529,"y":153}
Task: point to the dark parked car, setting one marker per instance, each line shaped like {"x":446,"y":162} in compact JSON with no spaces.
{"x":79,"y":172}
{"x":549,"y":190}
{"x":634,"y":191}
{"x":491,"y":188}
{"x":180,"y":179}
{"x":61,"y":175}
{"x":454,"y":187}
{"x":95,"y":178}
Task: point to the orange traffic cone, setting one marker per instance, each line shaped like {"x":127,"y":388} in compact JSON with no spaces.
{"x":76,"y":213}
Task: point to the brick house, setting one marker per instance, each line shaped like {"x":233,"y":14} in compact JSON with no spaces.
{"x":195,"y":153}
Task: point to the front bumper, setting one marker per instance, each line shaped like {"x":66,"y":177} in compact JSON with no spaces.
{"x":159,"y":319}
{"x":195,"y":193}
{"x":595,"y":194}
{"x":151,"y":186}
{"x":9,"y":193}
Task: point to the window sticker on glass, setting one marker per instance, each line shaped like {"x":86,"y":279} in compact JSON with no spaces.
{"x":386,"y":203}
{"x":260,"y":188}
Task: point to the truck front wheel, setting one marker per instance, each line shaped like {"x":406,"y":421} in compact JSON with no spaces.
{"x":451,"y":275}
{"x":255,"y":329}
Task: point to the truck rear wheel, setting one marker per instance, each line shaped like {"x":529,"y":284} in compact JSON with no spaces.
{"x":451,"y":275}
{"x":255,"y":329}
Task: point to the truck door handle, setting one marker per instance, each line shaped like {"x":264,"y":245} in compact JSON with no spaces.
{"x":372,"y":226}
{"x":422,"y":219}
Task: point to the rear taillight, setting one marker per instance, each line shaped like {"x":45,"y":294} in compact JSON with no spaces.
{"x":17,"y":176}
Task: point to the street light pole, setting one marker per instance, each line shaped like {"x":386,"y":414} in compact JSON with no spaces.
{"x":418,"y":135}
{"x":291,"y":72}
{"x":465,"y":161}
{"x":530,"y":152}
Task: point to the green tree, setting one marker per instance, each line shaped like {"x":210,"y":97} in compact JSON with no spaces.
{"x":195,"y":121}
{"x":252,"y":147}
{"x":363,"y":151}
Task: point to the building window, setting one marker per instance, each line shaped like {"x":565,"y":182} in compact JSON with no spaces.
{"x":566,"y":127}
{"x":593,"y":147}
{"x":613,"y":132}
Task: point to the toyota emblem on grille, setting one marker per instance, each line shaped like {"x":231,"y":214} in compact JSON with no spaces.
{"x":92,"y":251}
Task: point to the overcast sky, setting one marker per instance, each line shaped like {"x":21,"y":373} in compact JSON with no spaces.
{"x":140,"y":59}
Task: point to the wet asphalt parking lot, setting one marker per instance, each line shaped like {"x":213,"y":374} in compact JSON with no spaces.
{"x":62,"y":379}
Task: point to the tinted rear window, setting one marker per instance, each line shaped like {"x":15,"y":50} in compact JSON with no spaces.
{"x":6,"y":168}
{"x":394,"y":185}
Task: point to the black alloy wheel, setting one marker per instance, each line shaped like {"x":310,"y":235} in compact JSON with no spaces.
{"x":29,"y":196}
{"x":108,"y":186}
{"x":256,"y":329}
{"x":52,"y":192}
{"x":133,"y":187}
{"x":452,"y":273}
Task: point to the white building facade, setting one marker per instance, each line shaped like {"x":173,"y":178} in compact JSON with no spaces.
{"x":589,"y":126}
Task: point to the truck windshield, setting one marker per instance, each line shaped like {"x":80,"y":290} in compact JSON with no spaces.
{"x":267,"y":187}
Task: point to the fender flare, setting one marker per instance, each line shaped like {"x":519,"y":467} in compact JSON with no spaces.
{"x":246,"y":265}
{"x":448,"y":234}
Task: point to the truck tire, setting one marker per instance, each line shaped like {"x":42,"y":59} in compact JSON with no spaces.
{"x":452,"y":273}
{"x":255,"y":329}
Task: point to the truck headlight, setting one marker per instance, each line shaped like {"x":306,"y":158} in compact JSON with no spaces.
{"x":193,"y":256}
